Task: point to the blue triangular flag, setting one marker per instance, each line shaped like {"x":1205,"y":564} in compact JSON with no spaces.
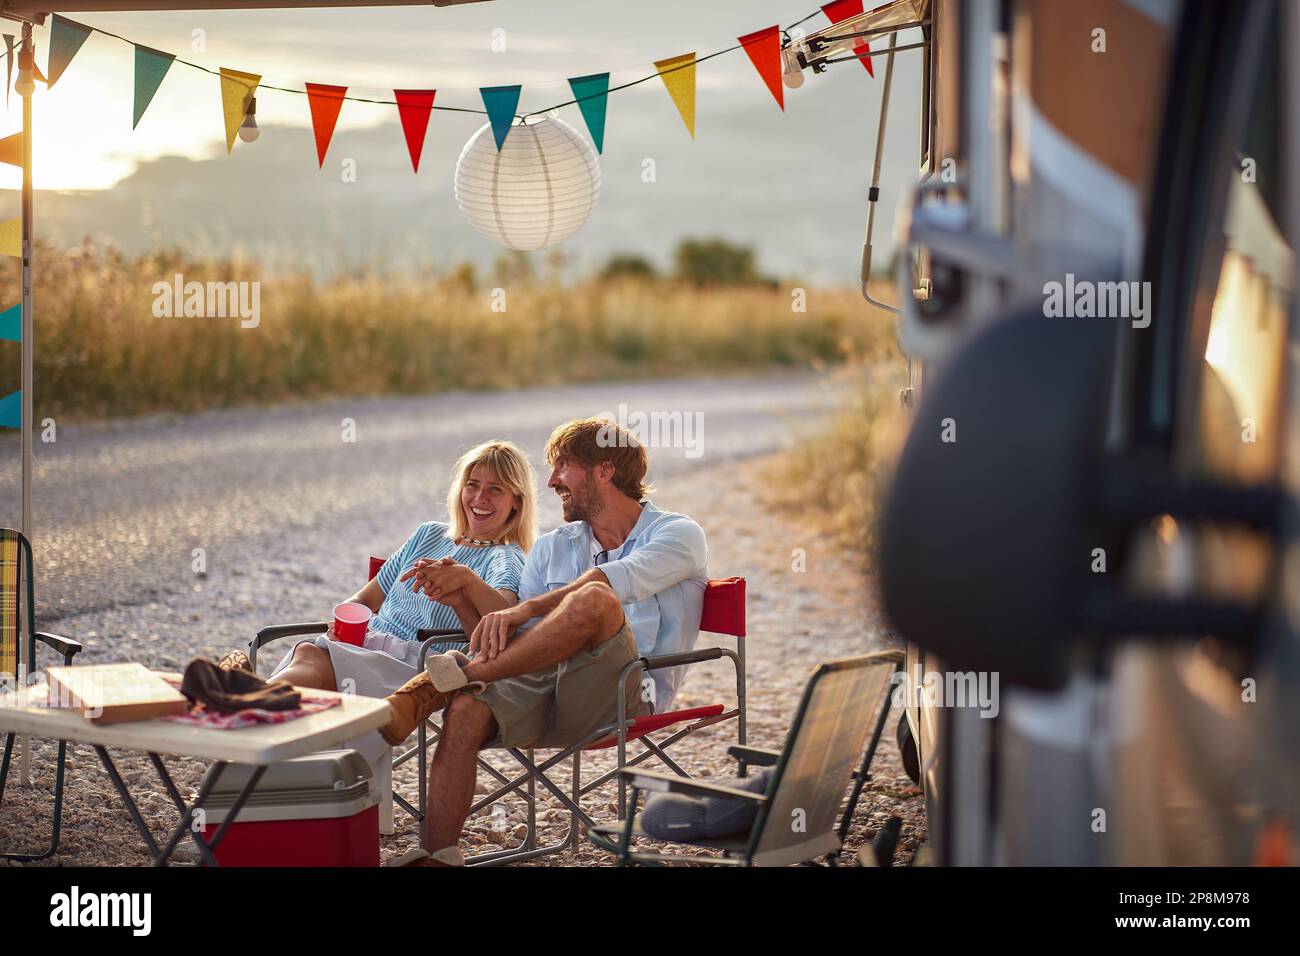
{"x":11,"y":324}
{"x":11,"y":410}
{"x":501,"y":103}
{"x":66,"y":37}
{"x":592,"y":94}
{"x":150,"y":68}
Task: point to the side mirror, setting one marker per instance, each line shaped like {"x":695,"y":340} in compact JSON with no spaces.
{"x":986,"y":540}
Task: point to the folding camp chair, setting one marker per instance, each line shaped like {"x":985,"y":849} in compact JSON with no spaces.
{"x":15,"y":574}
{"x":799,"y":814}
{"x":723,"y":613}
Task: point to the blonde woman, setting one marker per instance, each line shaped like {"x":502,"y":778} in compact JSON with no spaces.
{"x":444,"y":575}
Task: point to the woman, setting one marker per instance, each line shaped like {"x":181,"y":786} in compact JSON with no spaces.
{"x":468,"y":567}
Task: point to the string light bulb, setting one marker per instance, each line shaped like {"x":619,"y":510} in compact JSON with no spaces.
{"x":791,"y":74}
{"x":249,"y":131}
{"x":25,"y":85}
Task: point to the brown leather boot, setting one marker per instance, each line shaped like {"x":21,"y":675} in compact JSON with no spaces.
{"x":410,"y":704}
{"x":236,"y":661}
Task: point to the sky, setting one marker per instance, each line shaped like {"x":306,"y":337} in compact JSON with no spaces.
{"x":791,"y":184}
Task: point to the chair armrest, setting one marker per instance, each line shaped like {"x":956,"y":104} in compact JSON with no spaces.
{"x":429,"y":636}
{"x":63,"y":645}
{"x":276,"y":631}
{"x":754,"y":756}
{"x":428,"y":633}
{"x":687,"y":657}
{"x":671,"y":783}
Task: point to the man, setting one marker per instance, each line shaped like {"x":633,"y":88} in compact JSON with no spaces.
{"x":622,"y":579}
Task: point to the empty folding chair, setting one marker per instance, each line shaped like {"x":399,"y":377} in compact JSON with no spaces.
{"x":800,"y":815}
{"x":15,"y":577}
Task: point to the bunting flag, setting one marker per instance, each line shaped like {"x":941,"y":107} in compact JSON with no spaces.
{"x":9,"y":65}
{"x":592,"y":94}
{"x":66,"y":37}
{"x":325,"y":102}
{"x":11,"y":238}
{"x":11,"y":149}
{"x":11,"y":410}
{"x":150,"y":67}
{"x":38,"y":75}
{"x":501,"y":103}
{"x":11,"y":324}
{"x":237,"y":90}
{"x":678,"y":74}
{"x":415,"y":107}
{"x":764,"y":49}
{"x":839,"y":10}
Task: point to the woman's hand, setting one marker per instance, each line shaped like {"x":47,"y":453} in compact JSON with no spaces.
{"x":494,"y":631}
{"x":437,"y":579}
{"x":329,"y":633}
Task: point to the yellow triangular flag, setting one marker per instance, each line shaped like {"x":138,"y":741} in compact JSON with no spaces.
{"x":678,"y":74}
{"x":236,"y":90}
{"x":11,"y":238}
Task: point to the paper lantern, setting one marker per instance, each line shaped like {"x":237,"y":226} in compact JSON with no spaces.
{"x":537,"y":190}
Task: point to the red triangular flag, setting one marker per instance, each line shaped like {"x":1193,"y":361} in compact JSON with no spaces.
{"x":839,"y":10}
{"x":325,"y":102}
{"x":764,"y":49}
{"x":415,"y":107}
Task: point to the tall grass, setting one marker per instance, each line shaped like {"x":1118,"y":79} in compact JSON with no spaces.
{"x":101,"y":352}
{"x":836,"y":480}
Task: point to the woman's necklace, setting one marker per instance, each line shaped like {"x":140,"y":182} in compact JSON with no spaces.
{"x":466,"y":539}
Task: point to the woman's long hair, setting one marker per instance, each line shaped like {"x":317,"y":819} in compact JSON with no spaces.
{"x":515,"y":472}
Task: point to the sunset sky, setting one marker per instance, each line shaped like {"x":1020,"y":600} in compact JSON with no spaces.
{"x":820,"y":148}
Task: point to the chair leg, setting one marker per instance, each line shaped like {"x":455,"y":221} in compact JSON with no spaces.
{"x":384,"y":783}
{"x":57,"y":824}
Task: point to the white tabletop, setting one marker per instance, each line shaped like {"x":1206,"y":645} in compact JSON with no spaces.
{"x":261,"y":744}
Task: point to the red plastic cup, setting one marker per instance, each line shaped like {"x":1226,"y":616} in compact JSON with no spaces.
{"x":351,"y":621}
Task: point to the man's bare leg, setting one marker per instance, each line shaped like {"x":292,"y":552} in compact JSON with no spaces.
{"x":587,"y":618}
{"x":468,"y":724}
{"x":310,"y":667}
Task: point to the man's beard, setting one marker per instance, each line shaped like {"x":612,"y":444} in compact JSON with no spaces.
{"x":583,"y":504}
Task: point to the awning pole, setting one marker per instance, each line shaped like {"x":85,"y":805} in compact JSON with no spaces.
{"x":27,"y":59}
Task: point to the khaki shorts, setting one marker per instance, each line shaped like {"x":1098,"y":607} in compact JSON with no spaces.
{"x":565,"y":704}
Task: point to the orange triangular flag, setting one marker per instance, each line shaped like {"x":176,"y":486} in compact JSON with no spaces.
{"x":764,"y":49}
{"x":237,"y":90}
{"x":11,"y":149}
{"x":678,"y":74}
{"x":325,"y":102}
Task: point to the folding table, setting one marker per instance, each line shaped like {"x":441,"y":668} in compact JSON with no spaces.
{"x":259,"y":746}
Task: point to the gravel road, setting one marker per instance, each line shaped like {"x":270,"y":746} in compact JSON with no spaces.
{"x":286,"y":512}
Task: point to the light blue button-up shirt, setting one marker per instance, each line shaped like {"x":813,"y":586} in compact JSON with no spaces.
{"x":659,"y":574}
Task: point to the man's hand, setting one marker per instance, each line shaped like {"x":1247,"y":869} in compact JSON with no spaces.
{"x":494,"y":630}
{"x":329,"y":633}
{"x":437,"y":579}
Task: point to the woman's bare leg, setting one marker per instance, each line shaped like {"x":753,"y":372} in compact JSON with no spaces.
{"x":309,"y":667}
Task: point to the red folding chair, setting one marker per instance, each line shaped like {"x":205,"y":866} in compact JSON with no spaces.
{"x":723,"y":613}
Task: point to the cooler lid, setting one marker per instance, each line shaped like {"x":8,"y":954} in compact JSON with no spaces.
{"x":329,"y":775}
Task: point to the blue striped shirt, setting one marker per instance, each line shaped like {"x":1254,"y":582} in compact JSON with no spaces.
{"x":404,"y":612}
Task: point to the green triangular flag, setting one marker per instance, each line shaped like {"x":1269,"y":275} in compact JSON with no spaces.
{"x":592,"y":94}
{"x":501,"y":103}
{"x":150,"y":67}
{"x":66,"y":37}
{"x":11,"y":324}
{"x":11,"y":410}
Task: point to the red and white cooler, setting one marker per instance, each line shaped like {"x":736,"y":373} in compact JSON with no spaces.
{"x":317,"y":810}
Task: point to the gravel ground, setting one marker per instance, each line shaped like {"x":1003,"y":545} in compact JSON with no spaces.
{"x":795,"y":620}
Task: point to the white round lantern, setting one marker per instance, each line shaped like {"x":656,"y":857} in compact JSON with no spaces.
{"x":538,"y":189}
